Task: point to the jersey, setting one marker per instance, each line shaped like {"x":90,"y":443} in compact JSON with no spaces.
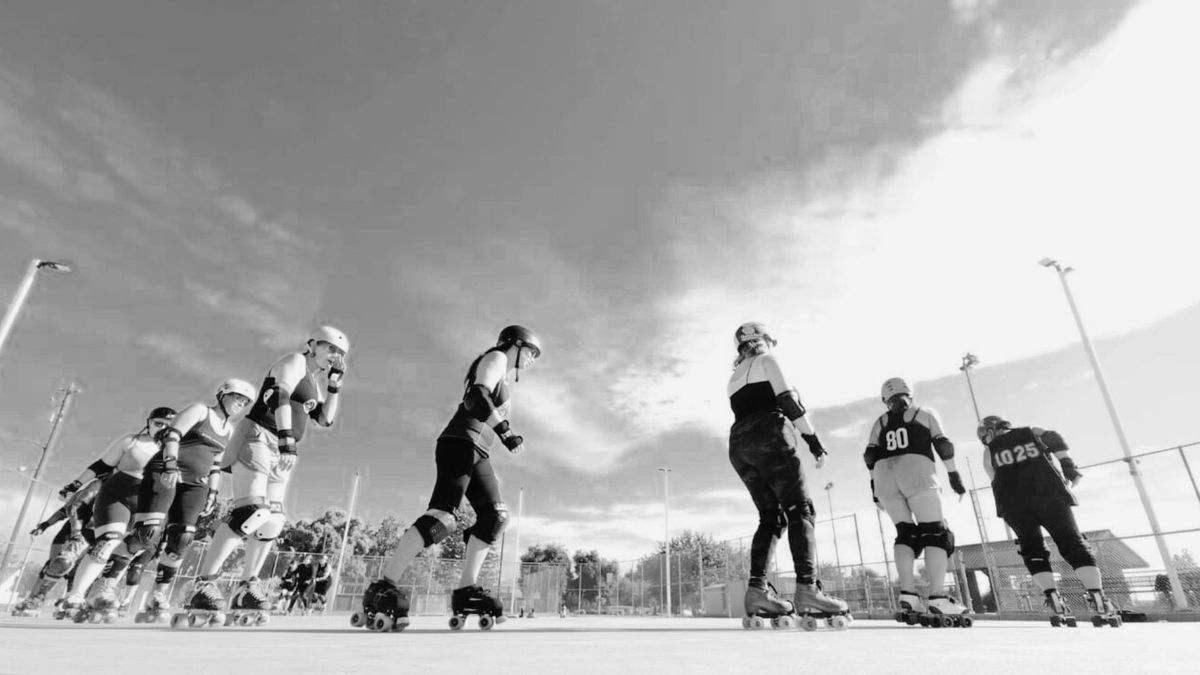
{"x":306,"y":397}
{"x":907,"y":432}
{"x":199,"y":450}
{"x":464,"y":424}
{"x":1023,"y":469}
{"x":129,"y":454}
{"x":750,"y":391}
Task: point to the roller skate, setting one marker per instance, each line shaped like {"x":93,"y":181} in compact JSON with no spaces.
{"x":385,"y":608}
{"x":475,"y":600}
{"x":155,"y":611}
{"x":204,"y":608}
{"x":30,"y":606}
{"x":123,"y":607}
{"x":248,"y":605}
{"x":1060,"y":612}
{"x":62,"y":610}
{"x":763,"y":604}
{"x":103,"y":606}
{"x":912,"y":609}
{"x":944,"y":612}
{"x":812,"y":604}
{"x":1104,"y":611}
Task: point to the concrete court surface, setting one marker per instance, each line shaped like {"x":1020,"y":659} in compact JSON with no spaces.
{"x":624,"y":645}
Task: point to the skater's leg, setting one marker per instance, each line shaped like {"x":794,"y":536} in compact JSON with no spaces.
{"x":483,"y":493}
{"x":224,"y":542}
{"x":1026,"y":526}
{"x":771,"y":520}
{"x":455,"y":461}
{"x":108,"y":537}
{"x":1060,"y":523}
{"x":937,"y":540}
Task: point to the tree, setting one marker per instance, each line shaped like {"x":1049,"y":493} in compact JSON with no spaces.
{"x":1184,"y":561}
{"x":589,"y":581}
{"x":546,"y":553}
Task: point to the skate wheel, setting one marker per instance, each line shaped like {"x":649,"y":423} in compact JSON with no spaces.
{"x":839,"y":623}
{"x":192,"y":620}
{"x":382,"y":623}
{"x":457,"y":622}
{"x":757,"y":623}
{"x":179,"y":621}
{"x":161,"y":618}
{"x":808,"y":623}
{"x":486,"y":623}
{"x":923,"y":620}
{"x":94,"y":618}
{"x":946,"y":621}
{"x":244,"y":620}
{"x":262,"y":619}
{"x":966,"y":622}
{"x":1097,"y":621}
{"x":230,"y":619}
{"x":899,"y":616}
{"x":358,"y":619}
{"x":140,"y":617}
{"x":1071,"y":622}
{"x":1056,"y":621}
{"x":1115,"y":621}
{"x":745,"y":623}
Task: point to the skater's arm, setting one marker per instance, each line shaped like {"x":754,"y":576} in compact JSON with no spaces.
{"x":326,"y":412}
{"x":102,"y":467}
{"x":1052,"y":442}
{"x":789,"y":402}
{"x":287,"y":372}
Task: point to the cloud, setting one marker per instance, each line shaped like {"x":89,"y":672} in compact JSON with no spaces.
{"x":24,"y":143}
{"x":184,"y":354}
{"x":266,"y":319}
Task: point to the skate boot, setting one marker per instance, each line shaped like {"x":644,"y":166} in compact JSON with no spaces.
{"x":477,"y":600}
{"x":103,"y":606}
{"x":248,"y":605}
{"x":1060,"y":612}
{"x":30,"y":606}
{"x":812,"y":604}
{"x":944,"y":612}
{"x":1104,"y":611}
{"x":204,"y":608}
{"x":385,"y":608}
{"x":763,"y":604}
{"x":155,"y":611}
{"x":74,"y":606}
{"x":912,"y":609}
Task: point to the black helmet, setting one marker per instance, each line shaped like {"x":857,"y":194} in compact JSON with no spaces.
{"x":163,"y":413}
{"x":992,"y":426}
{"x":521,"y":337}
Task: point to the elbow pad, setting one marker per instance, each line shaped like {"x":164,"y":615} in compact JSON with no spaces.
{"x":1052,"y":440}
{"x":101,"y":469}
{"x":789,"y":403}
{"x":280,"y":395}
{"x":873,"y":454}
{"x":944,"y":448}
{"x":315,"y":414}
{"x":478,"y":403}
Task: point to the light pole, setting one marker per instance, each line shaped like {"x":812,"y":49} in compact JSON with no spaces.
{"x":55,"y":428}
{"x":1134,"y":470}
{"x":18,"y":301}
{"x":837,"y":554}
{"x":666,"y":472}
{"x":969,"y":361}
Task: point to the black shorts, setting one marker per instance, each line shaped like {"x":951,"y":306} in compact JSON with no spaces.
{"x":182,"y":503}
{"x":117,"y":500}
{"x":462,"y":471}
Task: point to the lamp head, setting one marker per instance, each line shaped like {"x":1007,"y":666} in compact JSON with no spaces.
{"x":1048,"y":262}
{"x":57,"y":266}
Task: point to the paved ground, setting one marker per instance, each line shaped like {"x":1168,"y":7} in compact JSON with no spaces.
{"x":624,"y":645}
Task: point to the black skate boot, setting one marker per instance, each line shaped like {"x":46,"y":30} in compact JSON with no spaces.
{"x":812,"y":604}
{"x":204,"y":608}
{"x":1104,"y":611}
{"x":248,"y":605}
{"x":475,"y":600}
{"x":1060,"y":612}
{"x":763,"y":604}
{"x":385,"y":608}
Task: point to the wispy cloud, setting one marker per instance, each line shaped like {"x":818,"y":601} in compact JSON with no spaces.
{"x":185,"y":355}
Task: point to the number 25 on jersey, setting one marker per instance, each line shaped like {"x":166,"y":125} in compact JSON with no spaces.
{"x":1020,"y":453}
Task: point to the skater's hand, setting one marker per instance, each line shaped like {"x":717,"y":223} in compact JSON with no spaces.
{"x":956,"y":484}
{"x":37,"y":531}
{"x":1070,"y":472}
{"x":336,"y":372}
{"x":814,"y":446}
{"x":287,"y":460}
{"x":513,"y":442}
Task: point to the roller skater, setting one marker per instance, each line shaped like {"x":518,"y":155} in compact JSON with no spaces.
{"x":476,"y":600}
{"x":69,"y":544}
{"x":763,"y":606}
{"x":904,"y":483}
{"x":263,"y":448}
{"x":1060,"y":612}
{"x":385,"y":608}
{"x":1032,"y":494}
{"x":769,"y":420}
{"x":204,"y":608}
{"x":464,"y":468}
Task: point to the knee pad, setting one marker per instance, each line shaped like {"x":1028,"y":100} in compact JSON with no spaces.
{"x":272,"y":528}
{"x":1037,"y":559}
{"x":434,"y":525}
{"x":245,"y":520}
{"x":935,"y":534}
{"x":489,"y":524}
{"x":143,"y":536}
{"x":908,"y":535}
{"x":178,"y":538}
{"x":105,"y":544}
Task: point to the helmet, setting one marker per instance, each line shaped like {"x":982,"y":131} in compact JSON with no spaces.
{"x":236,"y":386}
{"x":331,"y":335}
{"x":893,"y":387}
{"x":161,"y":413}
{"x":991,"y":426}
{"x":521,"y":337}
{"x":753,"y":331}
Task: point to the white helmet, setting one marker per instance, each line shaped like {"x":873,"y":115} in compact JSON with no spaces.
{"x":752,"y":330}
{"x":236,"y":386}
{"x":895,"y":386}
{"x":331,"y":335}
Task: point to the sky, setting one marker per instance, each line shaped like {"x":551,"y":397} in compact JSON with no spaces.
{"x":874,"y":181}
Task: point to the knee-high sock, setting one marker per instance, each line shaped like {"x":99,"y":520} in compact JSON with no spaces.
{"x":89,"y":568}
{"x":1089,"y":575}
{"x":411,"y":543}
{"x":935,"y":567}
{"x":1044,"y":580}
{"x":224,"y":543}
{"x":256,"y":554}
{"x":905,"y":558}
{"x":474,"y":555}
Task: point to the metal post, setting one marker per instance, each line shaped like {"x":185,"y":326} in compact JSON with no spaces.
{"x":666,"y":471}
{"x":22,"y":294}
{"x":833,"y":527}
{"x":337,"y":575}
{"x":517,"y":543}
{"x":55,"y":429}
{"x":862,"y":561}
{"x":886,"y":562}
{"x":1191,"y":477}
{"x":1134,"y":470}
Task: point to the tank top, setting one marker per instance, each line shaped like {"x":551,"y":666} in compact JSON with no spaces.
{"x":135,"y":456}
{"x":198,"y":451}
{"x":1023,"y":468}
{"x":305,"y":399}
{"x":464,"y":425}
{"x":902,"y":433}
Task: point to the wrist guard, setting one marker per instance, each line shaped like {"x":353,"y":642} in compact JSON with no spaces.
{"x":507,"y":437}
{"x":1069,"y":470}
{"x":287,"y":444}
{"x":956,"y":483}
{"x":814,"y":445}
